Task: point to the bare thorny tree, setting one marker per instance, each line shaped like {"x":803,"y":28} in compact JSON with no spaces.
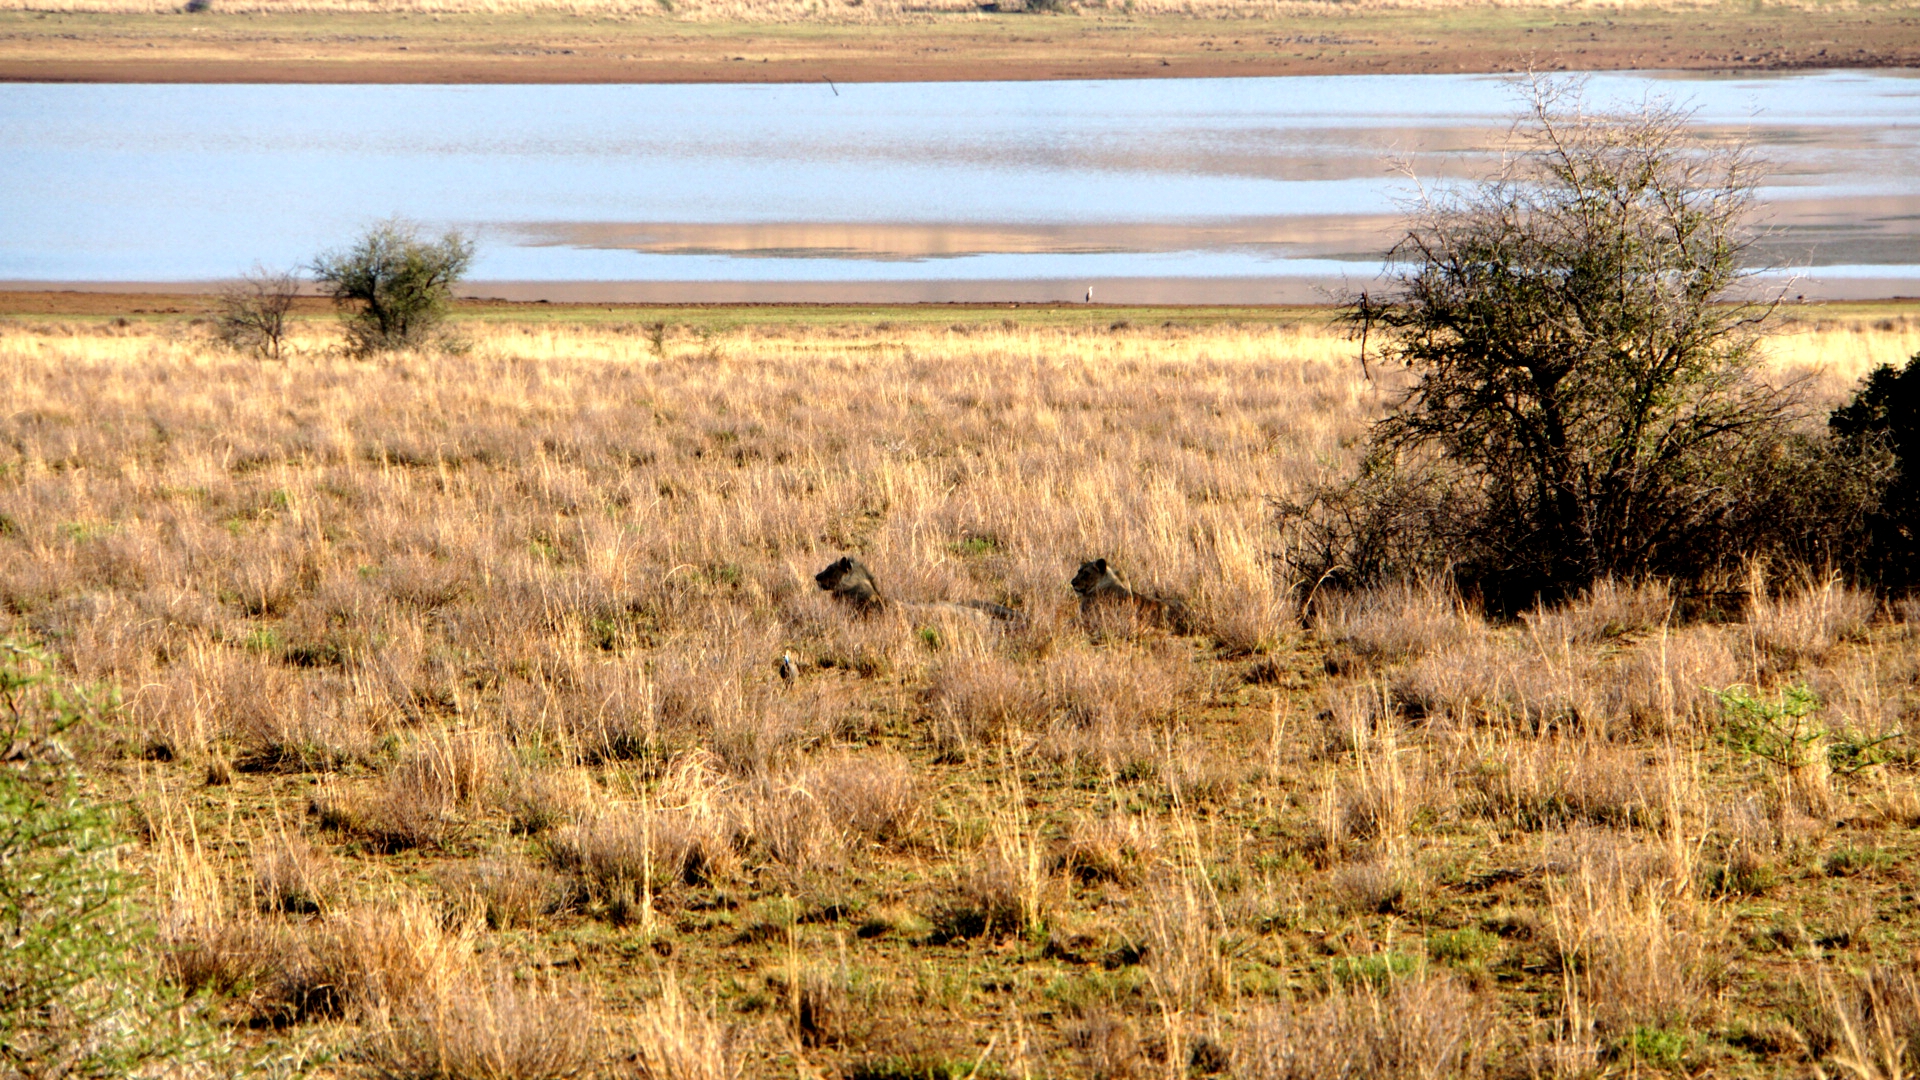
{"x":1581,"y":337}
{"x":253,"y":311}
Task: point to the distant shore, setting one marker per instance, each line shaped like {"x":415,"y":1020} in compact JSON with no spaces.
{"x":360,"y":47}
{"x":489,"y":301}
{"x":192,"y":298}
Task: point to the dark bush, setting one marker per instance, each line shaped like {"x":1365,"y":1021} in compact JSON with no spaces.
{"x":1877,"y":434}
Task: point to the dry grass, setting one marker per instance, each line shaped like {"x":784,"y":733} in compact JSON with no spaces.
{"x":457,"y":743}
{"x":491,"y":1028}
{"x":675,"y":1040}
{"x":869,"y":11}
{"x":1631,"y":937}
{"x":1805,"y":623}
{"x":1416,"y":1027}
{"x":508,"y":894}
{"x":292,"y":875}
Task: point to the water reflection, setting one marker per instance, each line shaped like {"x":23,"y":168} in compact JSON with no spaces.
{"x":1241,"y":178}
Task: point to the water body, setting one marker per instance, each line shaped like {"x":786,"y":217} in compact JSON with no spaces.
{"x":904,"y":186}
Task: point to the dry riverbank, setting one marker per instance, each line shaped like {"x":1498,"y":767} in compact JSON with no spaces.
{"x":544,"y":46}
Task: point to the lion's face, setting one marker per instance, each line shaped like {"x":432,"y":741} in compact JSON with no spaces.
{"x":848,"y":580}
{"x":831,"y":577}
{"x":1090,"y":577}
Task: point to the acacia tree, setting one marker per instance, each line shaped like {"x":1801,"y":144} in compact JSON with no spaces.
{"x":395,"y":285}
{"x":1583,"y":399}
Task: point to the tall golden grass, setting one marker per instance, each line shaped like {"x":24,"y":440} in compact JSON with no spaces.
{"x":880,"y":10}
{"x":456,"y":739}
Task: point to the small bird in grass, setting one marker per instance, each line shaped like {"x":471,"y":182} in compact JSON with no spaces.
{"x":1089,"y":294}
{"x":789,"y":670}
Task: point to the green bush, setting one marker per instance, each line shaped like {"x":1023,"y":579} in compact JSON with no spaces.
{"x":395,"y":285}
{"x":1583,"y":400}
{"x":78,"y":993}
{"x":1788,"y":732}
{"x":1658,"y":1047}
{"x":1466,"y":947}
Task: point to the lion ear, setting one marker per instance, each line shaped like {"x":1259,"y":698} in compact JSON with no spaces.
{"x":1101,"y":563}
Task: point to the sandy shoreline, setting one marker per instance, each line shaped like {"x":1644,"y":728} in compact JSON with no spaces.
{"x":27,"y":298}
{"x":198,"y":297}
{"x":859,"y":69}
{"x":374,"y":48}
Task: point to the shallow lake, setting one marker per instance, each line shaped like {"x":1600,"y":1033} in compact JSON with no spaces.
{"x":1066,"y":182}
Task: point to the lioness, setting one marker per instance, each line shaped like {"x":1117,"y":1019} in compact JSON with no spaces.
{"x":1104,"y":592}
{"x":851,"y":583}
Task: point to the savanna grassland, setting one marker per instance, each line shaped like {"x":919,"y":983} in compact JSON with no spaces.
{"x":452,"y":737}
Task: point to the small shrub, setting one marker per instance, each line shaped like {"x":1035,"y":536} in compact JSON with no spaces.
{"x":690,"y":833}
{"x":1660,"y":1047}
{"x":398,"y":815}
{"x":978,"y":701}
{"x":1394,"y":621}
{"x":1808,"y":622}
{"x":539,"y":801}
{"x":1606,"y":611}
{"x":1184,"y":936}
{"x":1787,"y":733}
{"x":830,"y":1006}
{"x":379,"y":958}
{"x":1624,"y":939}
{"x":1867,"y":1024}
{"x":1113,"y":848}
{"x":1377,"y":970}
{"x":1849,"y":861}
{"x":1374,"y":888}
{"x":1117,"y":689}
{"x":1549,"y":783}
{"x":253,"y":311}
{"x":1467,"y":948}
{"x":989,"y":902}
{"x":1109,"y":1044}
{"x":792,"y":826}
{"x":395,"y":285}
{"x":921,"y":1066}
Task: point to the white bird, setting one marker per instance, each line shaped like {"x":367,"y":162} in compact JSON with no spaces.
{"x":1089,"y":294}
